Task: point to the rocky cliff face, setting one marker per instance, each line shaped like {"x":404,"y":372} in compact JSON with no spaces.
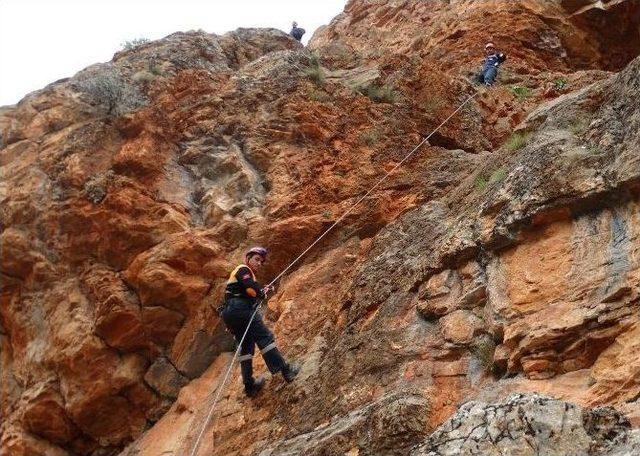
{"x":505,"y":257}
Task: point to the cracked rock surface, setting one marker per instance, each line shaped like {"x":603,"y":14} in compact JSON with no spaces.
{"x":531,"y":425}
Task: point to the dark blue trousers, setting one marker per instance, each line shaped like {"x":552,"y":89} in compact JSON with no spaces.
{"x":488,"y":75}
{"x":236,"y":316}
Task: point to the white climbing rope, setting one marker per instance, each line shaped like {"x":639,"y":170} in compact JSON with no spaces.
{"x":224,"y":381}
{"x":347,"y":212}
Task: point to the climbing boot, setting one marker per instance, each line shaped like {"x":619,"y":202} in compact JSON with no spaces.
{"x":252,"y":389}
{"x":289,"y":372}
{"x":246,"y":369}
{"x":273,"y":359}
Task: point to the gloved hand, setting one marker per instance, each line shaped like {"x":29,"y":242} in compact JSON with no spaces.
{"x":268,"y":289}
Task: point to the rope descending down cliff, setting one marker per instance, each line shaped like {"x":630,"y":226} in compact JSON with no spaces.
{"x":299,"y":257}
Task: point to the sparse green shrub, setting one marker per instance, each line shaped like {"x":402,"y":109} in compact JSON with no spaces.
{"x":327,"y":214}
{"x":369,"y":137}
{"x":134,"y":43}
{"x":155,"y":69}
{"x":379,"y":93}
{"x":517,"y":141}
{"x":144,"y":77}
{"x":481,"y":182}
{"x":341,"y":173}
{"x":153,"y":66}
{"x":578,"y":126}
{"x":319,"y":95}
{"x":110,"y":90}
{"x":498,"y":175}
{"x":484,"y":179}
{"x":560,"y":83}
{"x":315,"y":74}
{"x":522,"y":93}
{"x":314,"y":70}
{"x":483,"y":349}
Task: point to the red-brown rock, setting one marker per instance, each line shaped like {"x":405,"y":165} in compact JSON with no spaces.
{"x":122,"y":218}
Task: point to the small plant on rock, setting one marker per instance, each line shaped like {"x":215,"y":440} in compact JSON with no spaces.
{"x":560,"y":83}
{"x":154,"y":67}
{"x":379,"y":93}
{"x":134,"y":43}
{"x":498,"y":175}
{"x":483,"y":349}
{"x":522,"y":93}
{"x":144,"y":77}
{"x":484,"y":179}
{"x":314,"y":71}
{"x":369,"y":137}
{"x":481,"y":182}
{"x":319,"y":95}
{"x":517,"y":141}
{"x":109,"y":88}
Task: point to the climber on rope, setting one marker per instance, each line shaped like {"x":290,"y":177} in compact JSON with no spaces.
{"x":241,"y":296}
{"x":296,"y":31}
{"x":492,"y":61}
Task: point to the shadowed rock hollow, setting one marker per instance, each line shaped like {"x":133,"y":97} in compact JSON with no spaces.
{"x":503,"y":258}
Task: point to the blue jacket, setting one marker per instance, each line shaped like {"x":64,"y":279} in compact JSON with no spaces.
{"x":493,"y":60}
{"x":297,"y":33}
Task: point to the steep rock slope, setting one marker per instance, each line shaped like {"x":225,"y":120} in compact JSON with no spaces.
{"x":129,"y":190}
{"x":527,"y":282}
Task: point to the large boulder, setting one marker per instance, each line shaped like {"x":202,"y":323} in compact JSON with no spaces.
{"x":529,"y":425}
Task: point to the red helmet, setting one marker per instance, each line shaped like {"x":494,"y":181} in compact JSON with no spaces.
{"x":256,"y":251}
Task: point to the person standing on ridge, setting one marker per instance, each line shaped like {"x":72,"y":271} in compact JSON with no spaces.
{"x":296,"y":31}
{"x":241,"y":295}
{"x":492,"y":61}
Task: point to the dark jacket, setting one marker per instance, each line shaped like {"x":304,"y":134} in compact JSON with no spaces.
{"x":493,"y":60}
{"x":242,"y":284}
{"x":297,"y":33}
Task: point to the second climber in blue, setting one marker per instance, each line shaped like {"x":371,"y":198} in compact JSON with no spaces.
{"x":296,"y":31}
{"x":493,"y":59}
{"x":241,"y":295}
